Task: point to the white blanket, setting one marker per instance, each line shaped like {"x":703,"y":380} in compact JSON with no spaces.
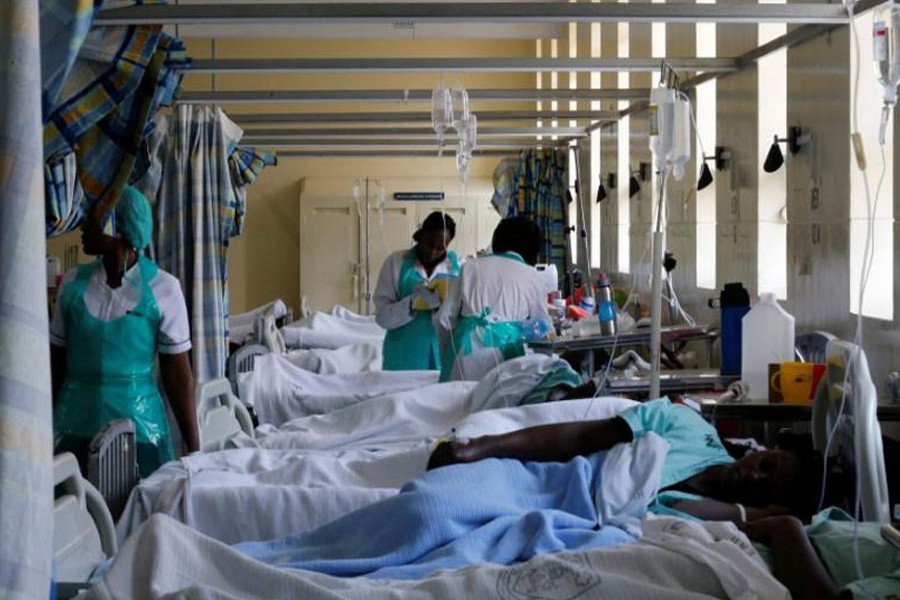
{"x":321,"y":330}
{"x":280,"y":391}
{"x":674,"y":560}
{"x":253,"y":494}
{"x":239,"y":495}
{"x":358,"y":358}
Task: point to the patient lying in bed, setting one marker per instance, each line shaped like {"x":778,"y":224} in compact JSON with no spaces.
{"x":503,"y":499}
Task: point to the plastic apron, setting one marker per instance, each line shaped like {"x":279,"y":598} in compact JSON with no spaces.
{"x":475,"y":332}
{"x":110,"y":372}
{"x":414,"y":346}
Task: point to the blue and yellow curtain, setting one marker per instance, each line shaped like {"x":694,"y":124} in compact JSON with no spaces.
{"x":539,"y":191}
{"x":201,"y":204}
{"x":100,"y":114}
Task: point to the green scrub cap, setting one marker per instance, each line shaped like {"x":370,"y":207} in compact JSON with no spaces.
{"x":134,"y":219}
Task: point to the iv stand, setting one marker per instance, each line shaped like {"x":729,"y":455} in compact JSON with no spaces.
{"x":368,"y":285}
{"x":656,"y":292}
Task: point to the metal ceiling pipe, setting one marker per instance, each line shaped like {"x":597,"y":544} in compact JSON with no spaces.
{"x":413,"y":132}
{"x":464,"y":12}
{"x":484,"y":116}
{"x":405,"y":96}
{"x":456,"y":65}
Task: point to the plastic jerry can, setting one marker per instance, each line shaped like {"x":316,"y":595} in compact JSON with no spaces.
{"x":767,"y":336}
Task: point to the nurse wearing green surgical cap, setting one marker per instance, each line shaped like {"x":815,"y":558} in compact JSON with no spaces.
{"x":114,"y":316}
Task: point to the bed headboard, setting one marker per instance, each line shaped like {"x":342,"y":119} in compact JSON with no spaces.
{"x":857,"y":437}
{"x":220,"y":415}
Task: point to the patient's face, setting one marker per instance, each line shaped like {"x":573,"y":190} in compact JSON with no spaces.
{"x":762,"y":478}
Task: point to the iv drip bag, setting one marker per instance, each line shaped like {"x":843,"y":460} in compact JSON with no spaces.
{"x":680,"y":152}
{"x":441,"y":112}
{"x":662,"y":117}
{"x":886,"y":51}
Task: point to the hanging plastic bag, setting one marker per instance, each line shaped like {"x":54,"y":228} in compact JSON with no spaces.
{"x":463,"y":159}
{"x":441,"y":113}
{"x":356,"y":198}
{"x":459,"y":105}
{"x":468,"y":134}
{"x":379,"y":204}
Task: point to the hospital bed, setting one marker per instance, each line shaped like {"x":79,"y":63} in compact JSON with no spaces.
{"x":320,"y":467}
{"x":83,"y":533}
{"x":241,"y":326}
{"x":167,"y":544}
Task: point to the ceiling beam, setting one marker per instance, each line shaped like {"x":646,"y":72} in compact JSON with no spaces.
{"x":466,"y":12}
{"x":405,"y":96}
{"x":413,"y":132}
{"x":419,"y":143}
{"x":484,"y":116}
{"x":455,"y":65}
{"x":338,"y":153}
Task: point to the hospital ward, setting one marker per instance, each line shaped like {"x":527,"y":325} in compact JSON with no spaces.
{"x":501,"y":300}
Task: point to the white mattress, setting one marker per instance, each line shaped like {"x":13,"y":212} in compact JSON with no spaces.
{"x":673,"y":560}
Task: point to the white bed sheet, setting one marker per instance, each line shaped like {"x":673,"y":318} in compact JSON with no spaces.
{"x":280,"y":391}
{"x":674,"y":559}
{"x":323,"y":330}
{"x":356,"y":358}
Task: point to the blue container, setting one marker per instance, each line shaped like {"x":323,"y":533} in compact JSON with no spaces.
{"x":734,"y":303}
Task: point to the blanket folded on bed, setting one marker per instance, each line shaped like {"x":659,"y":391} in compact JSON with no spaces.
{"x":497,"y":511}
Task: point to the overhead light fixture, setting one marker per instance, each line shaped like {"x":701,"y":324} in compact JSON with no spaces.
{"x":634,"y":186}
{"x":722,"y":158}
{"x":796,"y":140}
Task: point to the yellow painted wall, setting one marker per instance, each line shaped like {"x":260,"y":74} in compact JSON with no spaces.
{"x":264,"y":263}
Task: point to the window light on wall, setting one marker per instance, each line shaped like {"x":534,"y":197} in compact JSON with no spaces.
{"x":706,"y":132}
{"x":596,"y":175}
{"x":879,"y":294}
{"x":624,"y":130}
{"x":771,"y":248}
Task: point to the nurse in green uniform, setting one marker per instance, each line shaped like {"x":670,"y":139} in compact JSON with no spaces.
{"x":410,"y":287}
{"x":114,"y":317}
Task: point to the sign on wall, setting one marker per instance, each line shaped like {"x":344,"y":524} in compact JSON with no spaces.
{"x":418,"y":196}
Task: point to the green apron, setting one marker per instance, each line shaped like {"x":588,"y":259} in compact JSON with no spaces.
{"x":111,"y":372}
{"x":414,"y":346}
{"x":479,"y":331}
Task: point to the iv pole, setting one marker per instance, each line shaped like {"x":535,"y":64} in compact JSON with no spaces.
{"x":368,"y":289}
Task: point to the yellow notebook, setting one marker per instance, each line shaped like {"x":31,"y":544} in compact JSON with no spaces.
{"x":440,"y":284}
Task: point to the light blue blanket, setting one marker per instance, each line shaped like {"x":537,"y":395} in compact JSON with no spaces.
{"x":498,"y":511}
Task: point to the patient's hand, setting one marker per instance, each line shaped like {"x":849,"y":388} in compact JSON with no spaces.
{"x":451,"y":453}
{"x":767,"y":529}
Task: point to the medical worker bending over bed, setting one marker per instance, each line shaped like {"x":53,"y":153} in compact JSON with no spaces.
{"x":411,"y":285}
{"x":492,"y":303}
{"x":113,"y":317}
{"x":506,"y":498}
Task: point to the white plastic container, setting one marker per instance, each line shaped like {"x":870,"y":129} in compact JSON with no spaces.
{"x":767,"y":336}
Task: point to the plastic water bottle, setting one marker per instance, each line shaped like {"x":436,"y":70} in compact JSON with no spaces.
{"x":734,"y":303}
{"x":587,"y":304}
{"x":767,"y":336}
{"x":606,"y":307}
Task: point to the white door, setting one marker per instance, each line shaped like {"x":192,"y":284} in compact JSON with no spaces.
{"x":330,"y":271}
{"x":389,"y":230}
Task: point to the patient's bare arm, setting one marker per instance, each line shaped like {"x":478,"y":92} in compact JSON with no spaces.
{"x":794,"y":560}
{"x":559,"y":442}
